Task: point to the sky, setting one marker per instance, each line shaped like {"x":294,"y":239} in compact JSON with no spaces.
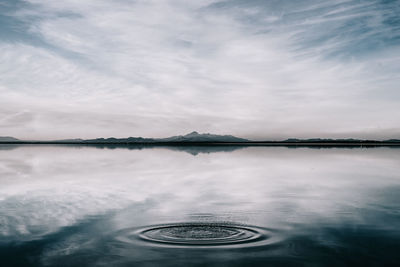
{"x":269,"y":69}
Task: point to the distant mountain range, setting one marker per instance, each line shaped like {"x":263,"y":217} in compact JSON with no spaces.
{"x":7,"y":139}
{"x":197,"y":138}
{"x":191,"y":137}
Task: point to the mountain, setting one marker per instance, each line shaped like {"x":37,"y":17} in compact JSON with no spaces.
{"x":191,"y":137}
{"x":393,"y":140}
{"x":196,"y":137}
{"x":7,"y":139}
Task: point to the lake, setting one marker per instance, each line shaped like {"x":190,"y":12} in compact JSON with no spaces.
{"x":199,"y":206}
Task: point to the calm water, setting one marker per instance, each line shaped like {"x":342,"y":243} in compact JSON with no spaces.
{"x":276,"y":206}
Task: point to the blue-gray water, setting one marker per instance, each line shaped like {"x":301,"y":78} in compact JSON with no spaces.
{"x":211,"y":206}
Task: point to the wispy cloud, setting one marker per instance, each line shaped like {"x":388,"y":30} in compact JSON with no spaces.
{"x":259,"y":69}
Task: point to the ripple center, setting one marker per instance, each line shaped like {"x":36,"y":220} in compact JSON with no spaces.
{"x":197,"y":235}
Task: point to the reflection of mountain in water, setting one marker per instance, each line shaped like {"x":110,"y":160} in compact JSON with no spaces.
{"x":188,"y":148}
{"x":8,"y":146}
{"x":193,"y":150}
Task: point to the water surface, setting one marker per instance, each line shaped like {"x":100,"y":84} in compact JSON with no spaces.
{"x":189,"y":206}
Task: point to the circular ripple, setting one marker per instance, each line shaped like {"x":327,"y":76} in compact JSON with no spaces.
{"x":199,"y":235}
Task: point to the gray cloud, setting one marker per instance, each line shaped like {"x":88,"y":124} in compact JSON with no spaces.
{"x":258,"y":69}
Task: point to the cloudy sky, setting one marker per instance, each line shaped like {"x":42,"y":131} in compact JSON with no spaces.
{"x":261,"y":69}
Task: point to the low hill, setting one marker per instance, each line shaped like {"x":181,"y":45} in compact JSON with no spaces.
{"x":8,"y":139}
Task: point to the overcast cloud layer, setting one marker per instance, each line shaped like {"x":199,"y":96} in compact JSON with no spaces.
{"x":251,"y":68}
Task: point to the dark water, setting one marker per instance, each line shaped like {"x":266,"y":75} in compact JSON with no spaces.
{"x":191,"y":206}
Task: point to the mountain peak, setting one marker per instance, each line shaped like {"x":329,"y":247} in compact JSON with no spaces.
{"x":203,"y":137}
{"x":194,"y":133}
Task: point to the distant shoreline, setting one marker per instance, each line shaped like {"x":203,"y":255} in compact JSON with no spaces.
{"x":249,"y":143}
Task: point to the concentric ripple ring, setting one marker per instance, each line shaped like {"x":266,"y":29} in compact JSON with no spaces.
{"x":199,"y":235}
